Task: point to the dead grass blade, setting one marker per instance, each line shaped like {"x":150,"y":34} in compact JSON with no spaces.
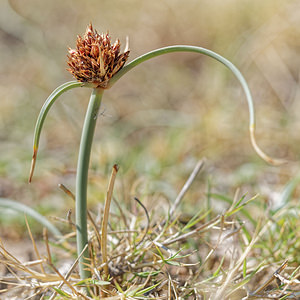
{"x":105,"y":220}
{"x":186,"y":186}
{"x":72,"y":196}
{"x":34,"y":245}
{"x":148,"y":220}
{"x":201,"y":228}
{"x":68,"y":273}
{"x":273,"y":277}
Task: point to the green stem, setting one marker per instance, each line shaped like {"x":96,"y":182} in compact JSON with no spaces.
{"x":82,"y":178}
{"x":224,"y":61}
{"x":186,"y":48}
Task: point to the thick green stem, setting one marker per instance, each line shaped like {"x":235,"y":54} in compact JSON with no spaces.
{"x":82,"y":178}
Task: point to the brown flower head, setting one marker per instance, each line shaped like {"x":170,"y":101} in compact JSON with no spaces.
{"x":95,"y":59}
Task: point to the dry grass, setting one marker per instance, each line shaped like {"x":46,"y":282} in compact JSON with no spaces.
{"x":160,"y":256}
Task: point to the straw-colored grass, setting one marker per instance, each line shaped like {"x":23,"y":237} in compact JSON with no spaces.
{"x":162,"y":256}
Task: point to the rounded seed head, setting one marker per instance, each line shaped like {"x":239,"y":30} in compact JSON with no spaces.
{"x":95,"y":59}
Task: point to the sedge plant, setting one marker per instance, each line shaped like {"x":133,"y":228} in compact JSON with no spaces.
{"x":98,"y":64}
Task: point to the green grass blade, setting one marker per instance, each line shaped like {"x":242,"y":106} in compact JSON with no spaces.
{"x":146,"y":274}
{"x":146,"y":290}
{"x":17,"y":206}
{"x":196,"y":219}
{"x":43,"y":114}
{"x":240,"y":206}
{"x":229,"y":201}
{"x":62,"y":293}
{"x":216,"y":273}
{"x":90,"y":281}
{"x":244,"y":268}
{"x":235,"y":205}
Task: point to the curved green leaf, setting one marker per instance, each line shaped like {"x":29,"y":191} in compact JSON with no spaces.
{"x":43,"y":113}
{"x":221,"y":59}
{"x":17,"y":206}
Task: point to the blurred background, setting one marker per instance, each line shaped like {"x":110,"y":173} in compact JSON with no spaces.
{"x":163,"y":116}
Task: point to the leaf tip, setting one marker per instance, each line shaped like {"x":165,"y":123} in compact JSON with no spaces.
{"x":263,"y":155}
{"x":33,"y":161}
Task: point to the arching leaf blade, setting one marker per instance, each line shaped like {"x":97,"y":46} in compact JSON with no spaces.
{"x":43,"y":114}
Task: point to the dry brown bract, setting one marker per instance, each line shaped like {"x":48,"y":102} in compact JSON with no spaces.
{"x":95,"y":59}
